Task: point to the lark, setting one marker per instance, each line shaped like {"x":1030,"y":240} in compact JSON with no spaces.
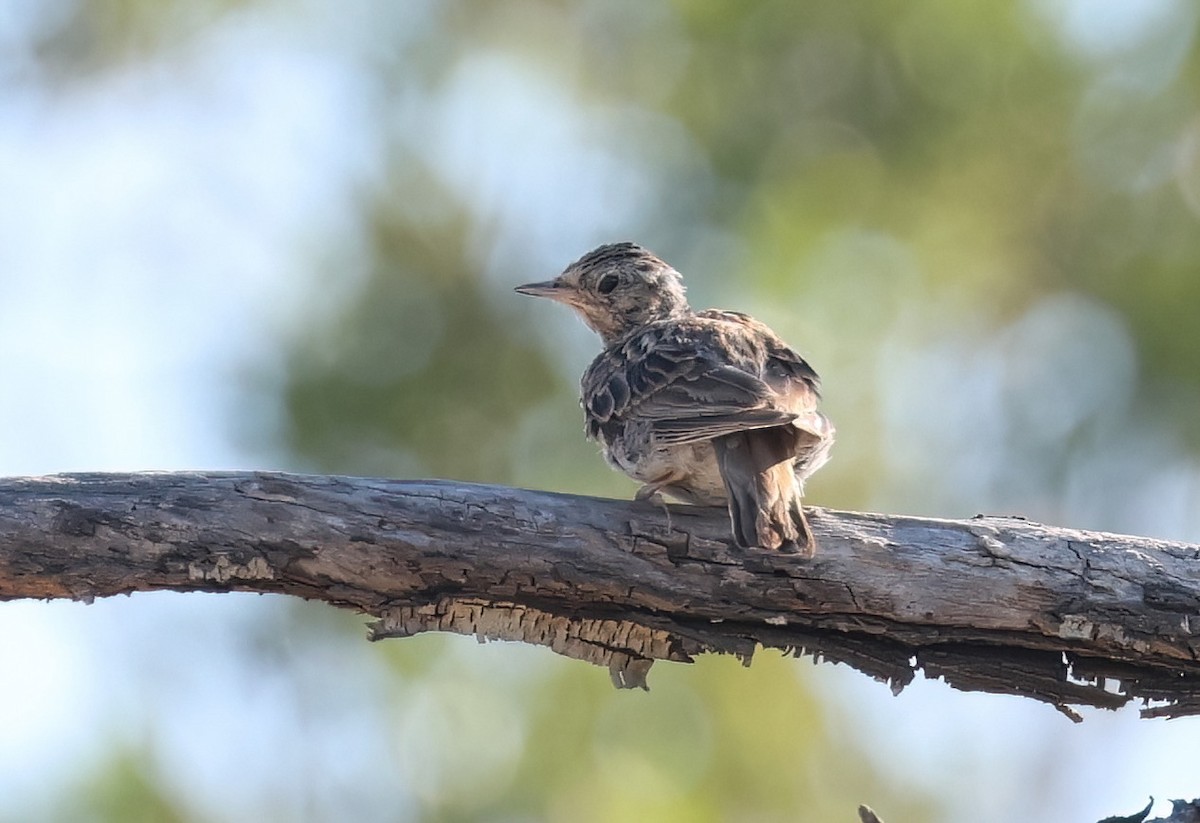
{"x":710,"y":408}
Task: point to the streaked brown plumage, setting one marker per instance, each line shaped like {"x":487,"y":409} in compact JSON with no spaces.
{"x":709,"y":407}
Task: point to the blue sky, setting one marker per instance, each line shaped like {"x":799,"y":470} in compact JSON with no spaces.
{"x":160,"y":233}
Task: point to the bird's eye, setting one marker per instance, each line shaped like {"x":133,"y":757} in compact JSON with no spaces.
{"x":607,"y":283}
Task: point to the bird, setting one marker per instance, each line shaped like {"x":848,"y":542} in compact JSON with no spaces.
{"x":707,"y":407}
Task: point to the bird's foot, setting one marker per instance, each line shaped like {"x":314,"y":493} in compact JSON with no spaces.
{"x":801,"y":548}
{"x":649,"y":493}
{"x":805,"y":544}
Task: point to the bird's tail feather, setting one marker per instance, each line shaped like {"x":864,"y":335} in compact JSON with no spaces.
{"x":764,"y":494}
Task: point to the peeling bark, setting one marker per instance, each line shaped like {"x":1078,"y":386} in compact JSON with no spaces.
{"x":991,"y":604}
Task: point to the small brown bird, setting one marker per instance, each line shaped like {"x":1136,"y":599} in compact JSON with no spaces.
{"x":708,"y":407}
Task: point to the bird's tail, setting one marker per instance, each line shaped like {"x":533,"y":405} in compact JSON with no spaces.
{"x":764,"y":494}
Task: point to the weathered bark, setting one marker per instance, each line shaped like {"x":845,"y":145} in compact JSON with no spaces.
{"x":991,"y":604}
{"x":1182,"y":811}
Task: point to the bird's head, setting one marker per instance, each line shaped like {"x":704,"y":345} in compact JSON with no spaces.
{"x":616,"y":288}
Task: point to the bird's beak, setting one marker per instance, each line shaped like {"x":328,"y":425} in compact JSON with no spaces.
{"x":554,"y":289}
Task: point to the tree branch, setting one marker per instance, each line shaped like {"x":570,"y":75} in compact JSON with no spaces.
{"x":990,"y":604}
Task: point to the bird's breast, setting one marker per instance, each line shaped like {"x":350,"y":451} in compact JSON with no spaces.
{"x":632,"y":451}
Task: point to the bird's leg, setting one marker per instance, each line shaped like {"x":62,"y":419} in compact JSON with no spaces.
{"x":649,"y":491}
{"x":652,"y":493}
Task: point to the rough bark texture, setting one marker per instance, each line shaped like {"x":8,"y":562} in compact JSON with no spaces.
{"x":991,"y":604}
{"x":1182,"y":811}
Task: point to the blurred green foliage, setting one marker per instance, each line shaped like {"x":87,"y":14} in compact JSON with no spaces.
{"x":419,"y":375}
{"x":122,"y":788}
{"x":871,"y":172}
{"x":907,"y":190}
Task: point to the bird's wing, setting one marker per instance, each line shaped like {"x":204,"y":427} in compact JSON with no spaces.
{"x":686,"y":386}
{"x":795,"y":383}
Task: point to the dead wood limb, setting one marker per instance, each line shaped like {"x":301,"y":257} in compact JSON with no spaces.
{"x":1182,"y":811}
{"x":990,"y":604}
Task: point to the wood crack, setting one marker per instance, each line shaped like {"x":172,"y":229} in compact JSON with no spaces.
{"x":992,"y":604}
